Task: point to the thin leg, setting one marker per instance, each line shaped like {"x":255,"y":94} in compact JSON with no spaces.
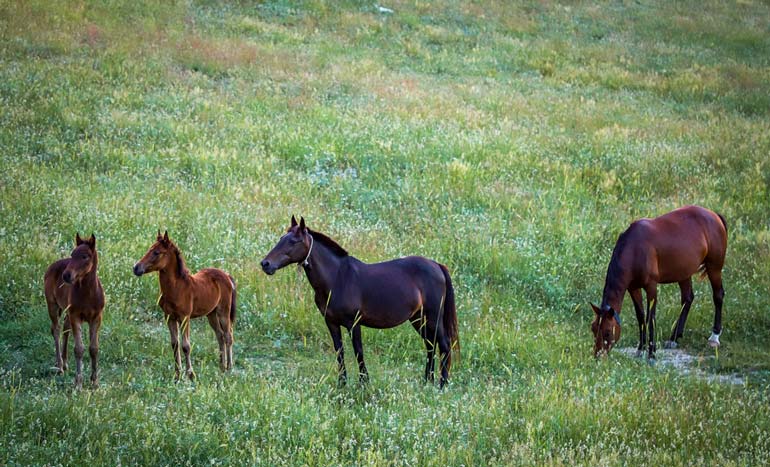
{"x":79,"y":350}
{"x":215,"y":325}
{"x":652,"y":304}
{"x":715,"y":277}
{"x":358,"y":349}
{"x":444,"y":349}
{"x":636,"y":298}
{"x":93,"y":348}
{"x":186,"y":348}
{"x":687,"y":297}
{"x":53,"y":313}
{"x":420,"y":325}
{"x":65,"y":340}
{"x":173,"y":329}
{"x":227,"y":335}
{"x":336,"y":334}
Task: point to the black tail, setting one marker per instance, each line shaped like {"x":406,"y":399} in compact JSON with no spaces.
{"x":450,"y":317}
{"x":232,"y":302}
{"x":724,"y":222}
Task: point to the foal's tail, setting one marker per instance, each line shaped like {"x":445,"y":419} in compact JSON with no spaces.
{"x":232,"y":302}
{"x":450,"y":317}
{"x":724,"y":222}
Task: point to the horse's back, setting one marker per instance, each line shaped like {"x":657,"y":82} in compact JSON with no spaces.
{"x":212,"y":287}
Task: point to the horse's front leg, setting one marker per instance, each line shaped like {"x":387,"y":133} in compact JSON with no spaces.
{"x":186,"y":347}
{"x":79,"y":350}
{"x":652,"y":304}
{"x":358,"y":348}
{"x":636,"y":298}
{"x":93,"y":348}
{"x":334,"y":330}
{"x":173,"y":329}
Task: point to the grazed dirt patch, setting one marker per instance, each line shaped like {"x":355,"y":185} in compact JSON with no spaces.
{"x":687,"y":364}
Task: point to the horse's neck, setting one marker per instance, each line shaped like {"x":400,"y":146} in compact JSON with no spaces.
{"x":89,"y":281}
{"x":169,"y":278}
{"x":614,"y":289}
{"x":322,"y":269}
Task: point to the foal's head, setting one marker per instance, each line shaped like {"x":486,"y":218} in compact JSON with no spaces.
{"x":158,"y":257}
{"x":606,"y":329}
{"x":293,"y":247}
{"x":82,"y":260}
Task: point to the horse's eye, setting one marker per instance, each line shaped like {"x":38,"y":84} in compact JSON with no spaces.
{"x":293,"y":240}
{"x":155,"y":253}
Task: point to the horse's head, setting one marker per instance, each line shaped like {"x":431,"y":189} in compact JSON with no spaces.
{"x":157,"y":257}
{"x":606,"y":329}
{"x":294,"y":247}
{"x":82,"y":260}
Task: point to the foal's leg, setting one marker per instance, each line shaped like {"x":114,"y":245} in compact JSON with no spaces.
{"x":652,"y":304}
{"x":53,"y":313}
{"x":420,"y":325}
{"x":65,"y":340}
{"x":173,"y":329}
{"x":358,"y":349}
{"x":215,"y":325}
{"x":227,"y":334}
{"x":715,"y":277}
{"x":79,"y":350}
{"x":687,"y":297}
{"x":93,"y":348}
{"x":334,"y":330}
{"x":186,"y":347}
{"x":636,"y":298}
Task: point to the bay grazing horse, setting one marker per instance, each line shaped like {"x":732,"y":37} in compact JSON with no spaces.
{"x":183,"y":296}
{"x":351,"y":294}
{"x":72,"y":287}
{"x":666,"y":249}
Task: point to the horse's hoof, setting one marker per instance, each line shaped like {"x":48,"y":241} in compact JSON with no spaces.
{"x":191,"y":375}
{"x":670,"y":345}
{"x":639,"y":353}
{"x":652,"y":361}
{"x":714,"y":340}
{"x":78,"y":383}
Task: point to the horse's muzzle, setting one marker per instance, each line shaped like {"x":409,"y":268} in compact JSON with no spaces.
{"x":138,"y":269}
{"x":268,"y":268}
{"x":67,"y":277}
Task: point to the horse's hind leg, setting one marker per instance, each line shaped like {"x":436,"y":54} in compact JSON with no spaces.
{"x":636,"y":298}
{"x":687,"y":297}
{"x":652,"y":304}
{"x":186,"y":347}
{"x":358,"y":349}
{"x":216,"y":326}
{"x":93,"y":348}
{"x":715,"y":277}
{"x":444,"y":349}
{"x":53,"y":313}
{"x":420,"y":325}
{"x":227,"y":335}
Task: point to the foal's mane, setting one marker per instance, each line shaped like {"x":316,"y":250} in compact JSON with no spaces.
{"x":181,"y":267}
{"x":328,"y":242}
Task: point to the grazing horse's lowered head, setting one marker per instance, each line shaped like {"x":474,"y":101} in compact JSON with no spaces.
{"x":294,"y":247}
{"x":606,"y":328}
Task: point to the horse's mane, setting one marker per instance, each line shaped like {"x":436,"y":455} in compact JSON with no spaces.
{"x":614,"y":270}
{"x":181,"y":267}
{"x":328,"y":242}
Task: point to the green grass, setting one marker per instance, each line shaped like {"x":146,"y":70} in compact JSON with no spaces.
{"x":511,"y":141}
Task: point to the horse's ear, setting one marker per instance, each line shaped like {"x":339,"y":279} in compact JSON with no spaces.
{"x":160,"y":237}
{"x":165,"y":236}
{"x":596,"y":309}
{"x":78,"y":241}
{"x":293,"y":221}
{"x":302,"y":224}
{"x":91,"y":241}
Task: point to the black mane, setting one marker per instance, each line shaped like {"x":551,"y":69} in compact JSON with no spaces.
{"x":181,"y":267}
{"x":328,"y":242}
{"x":614,"y":270}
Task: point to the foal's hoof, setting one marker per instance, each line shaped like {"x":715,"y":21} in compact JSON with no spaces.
{"x":670,"y":345}
{"x":191,"y":375}
{"x":78,"y":383}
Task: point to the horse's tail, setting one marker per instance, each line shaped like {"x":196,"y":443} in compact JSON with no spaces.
{"x":232,"y":302}
{"x":724,"y":222}
{"x":450,"y":317}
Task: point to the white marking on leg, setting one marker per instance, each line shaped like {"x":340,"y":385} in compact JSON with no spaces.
{"x":714,"y":340}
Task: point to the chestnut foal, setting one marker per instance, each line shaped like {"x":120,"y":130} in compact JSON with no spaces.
{"x":72,"y":286}
{"x":183,"y":296}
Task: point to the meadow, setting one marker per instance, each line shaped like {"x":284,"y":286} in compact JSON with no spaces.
{"x":511,"y":141}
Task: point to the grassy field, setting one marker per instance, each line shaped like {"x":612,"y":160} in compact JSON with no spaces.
{"x":512,"y":141}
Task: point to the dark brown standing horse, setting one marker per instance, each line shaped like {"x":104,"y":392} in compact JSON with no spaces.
{"x":183,"y":296}
{"x":350,"y":293}
{"x":666,"y":249}
{"x":72,"y":286}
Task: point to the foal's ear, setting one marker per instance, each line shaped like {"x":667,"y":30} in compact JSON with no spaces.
{"x":78,"y":241}
{"x":92,"y":241}
{"x":165,"y":236}
{"x":302,"y":224}
{"x":160,"y":237}
{"x":596,"y":309}
{"x":293,"y":221}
